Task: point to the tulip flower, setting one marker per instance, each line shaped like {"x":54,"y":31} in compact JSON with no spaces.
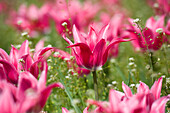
{"x":160,"y":6}
{"x":91,"y":50}
{"x":31,"y":19}
{"x":153,"y":35}
{"x":30,"y":95}
{"x":66,"y":15}
{"x":144,"y":101}
{"x":20,"y":60}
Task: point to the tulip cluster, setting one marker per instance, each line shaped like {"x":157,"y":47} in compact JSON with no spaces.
{"x":21,"y":91}
{"x":91,"y":32}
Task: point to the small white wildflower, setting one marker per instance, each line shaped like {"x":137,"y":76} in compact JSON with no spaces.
{"x":163,"y":76}
{"x":159,"y":59}
{"x":131,"y":63}
{"x":159,"y":30}
{"x":99,"y":68}
{"x":64,"y":24}
{"x":114,"y":82}
{"x":137,"y":85}
{"x":168,"y":80}
{"x":49,"y":60}
{"x":137,"y":20}
{"x":133,"y":70}
{"x":17,"y":46}
{"x":24,"y":34}
{"x":132,"y":85}
{"x":49,"y":67}
{"x":131,"y":59}
{"x":75,"y":101}
{"x":109,"y":85}
{"x":66,"y":59}
{"x":67,"y":77}
{"x":71,"y":57}
{"x":49,"y":45}
{"x":113,"y":60}
{"x":156,"y":5}
{"x":71,"y":111}
{"x":32,"y":50}
{"x":56,"y":53}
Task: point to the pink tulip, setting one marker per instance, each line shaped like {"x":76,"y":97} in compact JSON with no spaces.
{"x":153,"y":38}
{"x":31,"y":19}
{"x":66,"y":15}
{"x":21,"y":60}
{"x":160,"y":6}
{"x":30,"y":95}
{"x":144,"y":101}
{"x":91,"y":50}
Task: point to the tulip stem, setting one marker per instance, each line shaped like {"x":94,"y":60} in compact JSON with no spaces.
{"x":95,"y":85}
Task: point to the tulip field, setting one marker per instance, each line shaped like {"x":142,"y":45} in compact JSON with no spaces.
{"x":84,"y":56}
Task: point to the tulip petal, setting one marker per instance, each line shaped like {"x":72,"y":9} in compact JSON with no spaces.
{"x":126,"y":90}
{"x":159,"y":105}
{"x":98,"y":53}
{"x":24,"y":48}
{"x":86,"y":110}
{"x":109,"y":46}
{"x":7,"y":102}
{"x":40,"y":54}
{"x":85,"y":55}
{"x":14,"y":58}
{"x":143,"y":88}
{"x":64,"y":110}
{"x":78,"y":38}
{"x":43,"y":78}
{"x":156,"y":88}
{"x":39,"y":45}
{"x":46,"y":93}
{"x":27,"y":62}
{"x":11,"y":72}
{"x":3,"y":55}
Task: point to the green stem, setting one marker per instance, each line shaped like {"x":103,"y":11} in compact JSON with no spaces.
{"x":95,"y":85}
{"x":165,"y":58}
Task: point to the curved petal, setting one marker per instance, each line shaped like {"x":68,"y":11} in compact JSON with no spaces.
{"x":40,"y":54}
{"x":85,"y":54}
{"x":4,"y":55}
{"x":86,"y":110}
{"x":156,"y":88}
{"x":98,"y":53}
{"x":126,"y":90}
{"x":64,"y":110}
{"x":14,"y":58}
{"x":159,"y":105}
{"x":109,"y":46}
{"x":143,"y":88}
{"x":103,"y":32}
{"x":24,"y":48}
{"x":43,"y":78}
{"x":77,"y":36}
{"x":46,"y":93}
{"x":11,"y":72}
{"x":27,"y":62}
{"x":39,"y":45}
